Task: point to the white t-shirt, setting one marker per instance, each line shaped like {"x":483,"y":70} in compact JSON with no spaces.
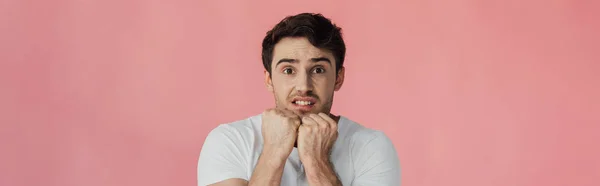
{"x":360,"y":156}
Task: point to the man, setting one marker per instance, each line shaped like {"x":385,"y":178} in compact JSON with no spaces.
{"x":299,"y":142}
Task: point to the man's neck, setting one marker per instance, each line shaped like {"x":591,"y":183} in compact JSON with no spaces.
{"x":334,"y":117}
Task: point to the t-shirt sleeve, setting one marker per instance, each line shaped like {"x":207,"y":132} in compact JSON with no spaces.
{"x":222,"y":156}
{"x":376,"y":163}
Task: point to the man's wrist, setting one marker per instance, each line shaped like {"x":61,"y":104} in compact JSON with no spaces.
{"x":320,"y":172}
{"x":315,"y":166}
{"x":317,"y":161}
{"x":275,"y":156}
{"x":269,"y":168}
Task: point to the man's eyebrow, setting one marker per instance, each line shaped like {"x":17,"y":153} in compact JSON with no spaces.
{"x":288,"y":60}
{"x":321,"y":59}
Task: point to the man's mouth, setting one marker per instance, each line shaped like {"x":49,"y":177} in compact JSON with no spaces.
{"x":303,"y":102}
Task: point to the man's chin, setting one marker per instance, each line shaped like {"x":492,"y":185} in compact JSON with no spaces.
{"x":301,"y":112}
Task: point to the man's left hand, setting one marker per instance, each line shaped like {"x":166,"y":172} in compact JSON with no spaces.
{"x":316,"y":137}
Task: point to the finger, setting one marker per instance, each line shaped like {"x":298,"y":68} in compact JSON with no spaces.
{"x":308,"y":121}
{"x":328,"y":119}
{"x":320,"y":121}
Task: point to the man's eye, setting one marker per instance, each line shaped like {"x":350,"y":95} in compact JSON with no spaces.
{"x":288,"y":71}
{"x":319,"y":70}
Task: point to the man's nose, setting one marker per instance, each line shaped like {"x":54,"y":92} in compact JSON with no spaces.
{"x":303,"y":83}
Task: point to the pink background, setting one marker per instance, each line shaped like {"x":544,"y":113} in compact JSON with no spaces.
{"x":472,"y":92}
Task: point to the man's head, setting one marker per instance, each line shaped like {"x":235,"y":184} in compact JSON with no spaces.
{"x":303,"y":56}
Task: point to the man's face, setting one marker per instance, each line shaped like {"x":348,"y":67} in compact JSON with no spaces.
{"x":303,"y":77}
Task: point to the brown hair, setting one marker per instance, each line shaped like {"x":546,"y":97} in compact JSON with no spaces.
{"x":319,"y":31}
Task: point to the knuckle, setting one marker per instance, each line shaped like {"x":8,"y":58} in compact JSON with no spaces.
{"x":323,"y":127}
{"x":323,"y":115}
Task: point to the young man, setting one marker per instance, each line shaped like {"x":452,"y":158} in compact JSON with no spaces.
{"x":299,"y":142}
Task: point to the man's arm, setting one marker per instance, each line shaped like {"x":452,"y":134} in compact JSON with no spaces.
{"x":316,"y":137}
{"x":279,"y":131}
{"x":268,"y":171}
{"x":269,"y":168}
{"x":222,"y":162}
{"x":376,"y":162}
{"x":321,"y":172}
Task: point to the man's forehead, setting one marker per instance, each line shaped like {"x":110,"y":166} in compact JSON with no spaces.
{"x":299,"y":49}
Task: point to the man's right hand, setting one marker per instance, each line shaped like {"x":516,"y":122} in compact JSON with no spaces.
{"x":279,"y":131}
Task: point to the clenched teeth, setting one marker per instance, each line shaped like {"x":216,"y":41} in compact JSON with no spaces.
{"x":303,"y":103}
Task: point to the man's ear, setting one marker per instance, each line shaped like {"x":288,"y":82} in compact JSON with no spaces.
{"x":268,"y":81}
{"x":339,"y":80}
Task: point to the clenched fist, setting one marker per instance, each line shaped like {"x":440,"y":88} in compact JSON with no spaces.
{"x":316,"y":137}
{"x":279,"y":131}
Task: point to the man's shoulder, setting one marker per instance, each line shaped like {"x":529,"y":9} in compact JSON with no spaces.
{"x":247,"y":126}
{"x":358,"y":133}
{"x":246,"y":123}
{"x":364,"y":142}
